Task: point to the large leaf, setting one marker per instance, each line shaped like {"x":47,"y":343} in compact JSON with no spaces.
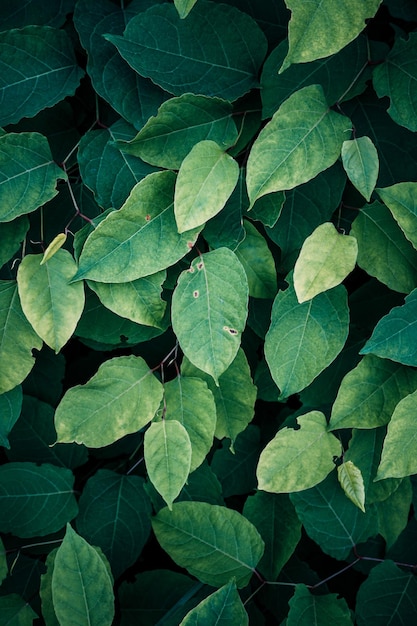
{"x":180,"y":123}
{"x":38,"y":69}
{"x":17,"y":338}
{"x":35,"y":499}
{"x":11,"y":236}
{"x":206,"y":180}
{"x":307,"y":609}
{"x":212,"y":542}
{"x":369,"y":393}
{"x":223,"y":606}
{"x":121,"y":398}
{"x":50,"y":303}
{"x":254,"y":254}
{"x":126,"y":245}
{"x":28,"y":174}
{"x":394,"y":335}
{"x":303,"y":138}
{"x":320,"y":28}
{"x":297,"y":459}
{"x":235,"y":462}
{"x":82,"y":587}
{"x":397,"y":79}
{"x":161,"y":46}
{"x":401,"y":201}
{"x":360,"y":160}
{"x":303,"y":339}
{"x":326,"y":258}
{"x":115,"y":515}
{"x":10,"y":407}
{"x":209,"y":310}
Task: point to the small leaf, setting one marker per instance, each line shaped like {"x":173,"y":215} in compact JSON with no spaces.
{"x":307,"y":609}
{"x":53,"y":247}
{"x":15,"y":611}
{"x":82,"y":588}
{"x":401,"y":201}
{"x":360,"y":160}
{"x":184,"y":7}
{"x":325,"y":260}
{"x":206,"y":179}
{"x":224,"y":606}
{"x":351,"y":481}
{"x":168,"y":457}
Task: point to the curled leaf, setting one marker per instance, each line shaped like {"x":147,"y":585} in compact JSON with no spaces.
{"x":56,"y":243}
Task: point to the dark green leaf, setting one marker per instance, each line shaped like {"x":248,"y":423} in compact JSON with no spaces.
{"x":258,"y":262}
{"x":10,"y":407}
{"x":307,"y":609}
{"x":15,"y":611}
{"x":11,"y":236}
{"x":235,"y":462}
{"x":223,"y":606}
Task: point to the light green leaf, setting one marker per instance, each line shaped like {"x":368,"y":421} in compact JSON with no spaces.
{"x":383,"y":250}
{"x":51,"y":304}
{"x":320,"y":28}
{"x":161,"y":46}
{"x":394,"y":335}
{"x":399,"y":454}
{"x":184,"y":7}
{"x":209,"y":310}
{"x":303,"y":339}
{"x":397,"y":79}
{"x":168,"y":457}
{"x":369,"y":393}
{"x":212,"y":542}
{"x":35,"y":499}
{"x":11,"y":236}
{"x":307,"y":609}
{"x":360,"y":160}
{"x":115,"y":514}
{"x":120,"y":399}
{"x":234,"y":396}
{"x":401,"y":201}
{"x":28,"y":174}
{"x":82,"y":588}
{"x":38,"y":70}
{"x":180,"y":123}
{"x":254,"y":254}
{"x":15,"y":611}
{"x":297,"y":459}
{"x":303,"y":138}
{"x":190,"y":402}
{"x":206,"y":180}
{"x":223,"y":606}
{"x":55,"y":245}
{"x":126,"y":245}
{"x":351,"y":481}
{"x":17,"y":338}
{"x":10,"y":407}
{"x":326,"y":258}
{"x":138,"y":300}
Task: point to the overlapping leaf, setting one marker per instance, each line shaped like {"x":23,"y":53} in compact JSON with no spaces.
{"x":351,"y":481}
{"x":360,"y":160}
{"x":10,"y":407}
{"x":11,"y":236}
{"x":223,"y":606}
{"x":307,"y":609}
{"x":401,"y":201}
{"x":258,"y":262}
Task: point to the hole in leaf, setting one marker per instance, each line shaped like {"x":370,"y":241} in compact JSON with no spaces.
{"x":196,"y":293}
{"x":200,"y":265}
{"x":231,"y":331}
{"x":123,"y":338}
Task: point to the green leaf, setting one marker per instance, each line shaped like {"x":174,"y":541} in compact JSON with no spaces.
{"x":401,"y":201}
{"x":212,"y":542}
{"x":35,"y":499}
{"x":370,"y":392}
{"x":360,"y":160}
{"x":223,"y":606}
{"x":297,"y":459}
{"x":184,"y":7}
{"x":36,"y":12}
{"x":51,"y":304}
{"x":161,"y":46}
{"x":167,"y":448}
{"x":138,"y":300}
{"x":351,"y":481}
{"x":320,"y":28}
{"x":307,"y":609}
{"x":235,"y":462}
{"x":45,"y":591}
{"x":180,"y":123}
{"x":397,"y":79}
{"x":303,"y":138}
{"x":394,"y":335}
{"x":115,"y":514}
{"x":206,"y":180}
{"x":15,"y":611}
{"x":254,"y":254}
{"x":326,"y":258}
{"x":303,"y":339}
{"x":383,"y":250}
{"x":11,"y":236}
{"x":82,"y":588}
{"x":17,"y":338}
{"x":55,"y":245}
{"x":3,"y":562}
{"x":209,"y":310}
{"x":234,"y":396}
{"x":10,"y":407}
{"x":28,"y":174}
{"x":275,"y":518}
{"x":394,"y":512}
{"x":190,"y":402}
{"x":387,"y":595}
{"x":120,"y":399}
{"x":126,"y":245}
{"x":38,"y":70}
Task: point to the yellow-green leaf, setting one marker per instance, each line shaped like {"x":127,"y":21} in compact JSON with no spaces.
{"x":351,"y":481}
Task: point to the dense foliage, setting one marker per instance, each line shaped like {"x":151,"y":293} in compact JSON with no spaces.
{"x":208,"y":306}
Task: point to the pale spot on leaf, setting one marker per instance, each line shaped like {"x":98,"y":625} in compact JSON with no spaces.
{"x":196,"y":293}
